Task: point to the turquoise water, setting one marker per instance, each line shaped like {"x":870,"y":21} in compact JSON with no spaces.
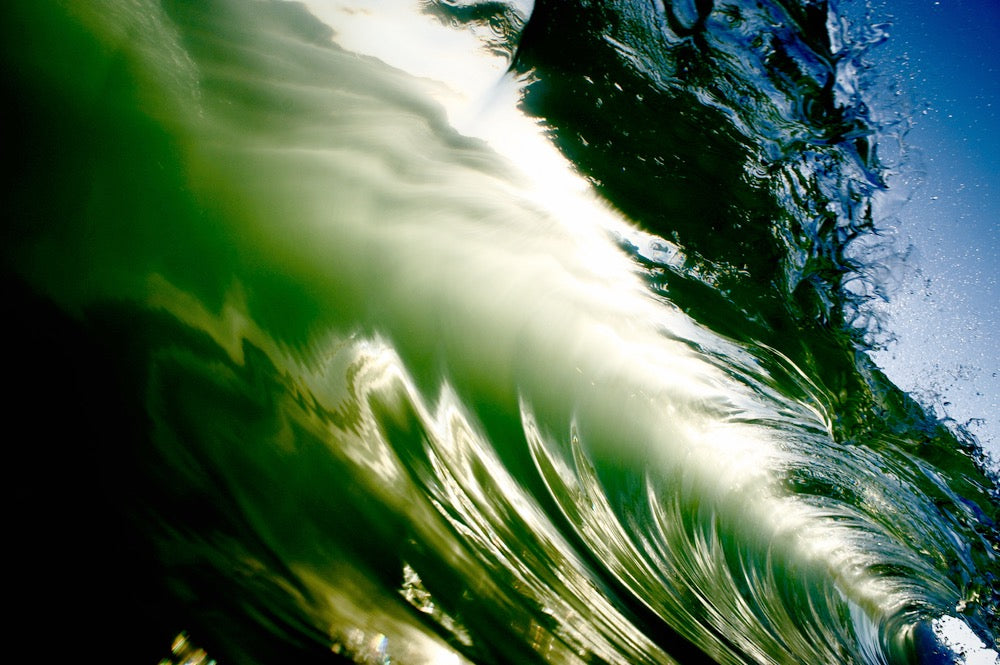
{"x":469,"y":332}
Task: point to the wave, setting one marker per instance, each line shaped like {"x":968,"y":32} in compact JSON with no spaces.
{"x":477,"y":332}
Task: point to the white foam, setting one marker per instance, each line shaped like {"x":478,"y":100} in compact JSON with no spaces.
{"x":958,"y":636}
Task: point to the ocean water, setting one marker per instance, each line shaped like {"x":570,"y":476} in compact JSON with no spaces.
{"x":388,"y":331}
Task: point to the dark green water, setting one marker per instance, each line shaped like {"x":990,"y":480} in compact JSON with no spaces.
{"x":466,"y":332}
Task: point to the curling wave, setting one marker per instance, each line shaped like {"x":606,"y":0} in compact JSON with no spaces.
{"x":489,"y":332}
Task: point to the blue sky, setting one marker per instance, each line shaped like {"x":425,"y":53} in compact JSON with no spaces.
{"x":943,"y":56}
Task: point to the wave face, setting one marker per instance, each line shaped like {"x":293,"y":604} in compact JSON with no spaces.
{"x":447,"y":332}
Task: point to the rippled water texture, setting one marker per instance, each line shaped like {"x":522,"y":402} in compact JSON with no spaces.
{"x":446,"y":332}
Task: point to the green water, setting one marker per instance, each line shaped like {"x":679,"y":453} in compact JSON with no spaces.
{"x":312,"y":370}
